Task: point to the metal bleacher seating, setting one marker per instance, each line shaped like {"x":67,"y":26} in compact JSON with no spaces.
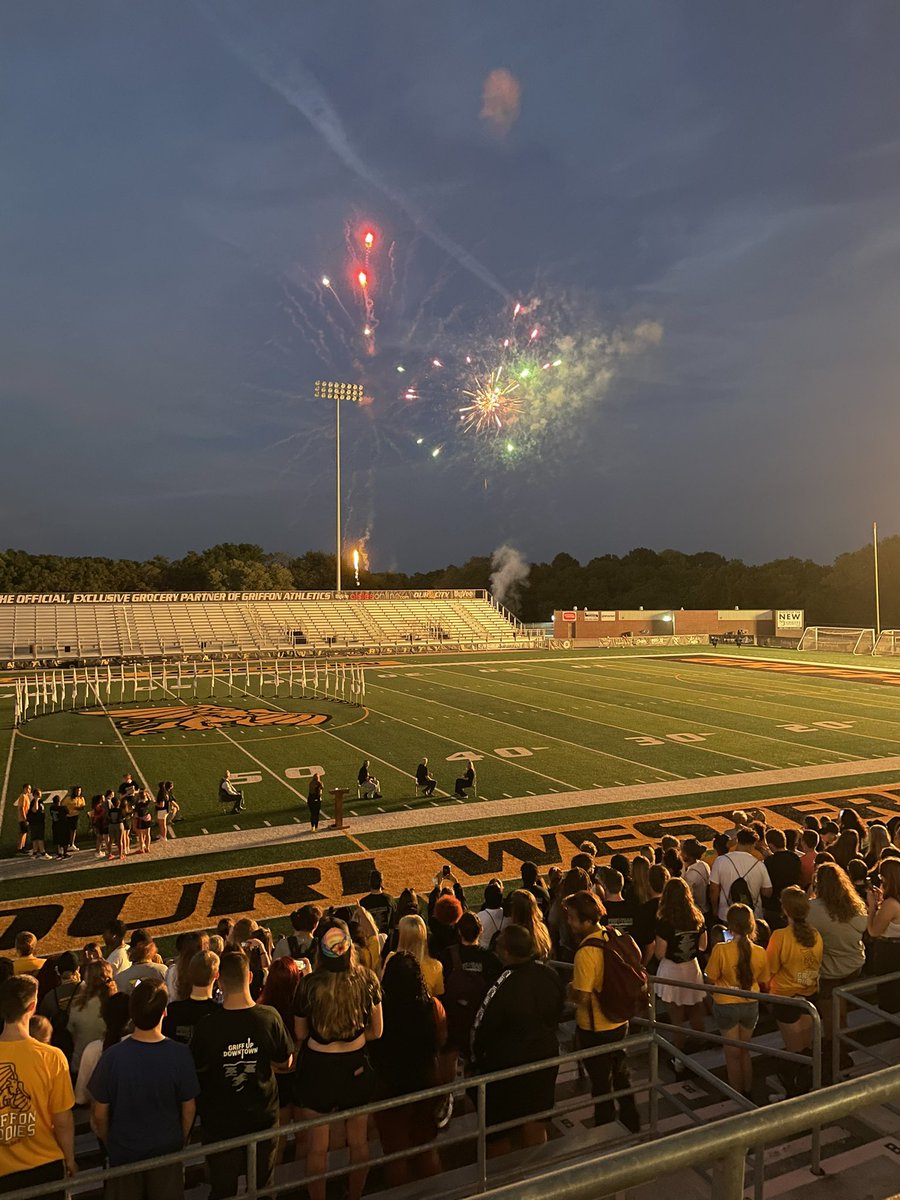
{"x":55,"y":630}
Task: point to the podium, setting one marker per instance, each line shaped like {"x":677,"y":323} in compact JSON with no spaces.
{"x":339,"y":794}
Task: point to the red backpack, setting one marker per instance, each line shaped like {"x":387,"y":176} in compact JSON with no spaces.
{"x":625,"y":993}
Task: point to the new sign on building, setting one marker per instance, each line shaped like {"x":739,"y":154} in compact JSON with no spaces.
{"x":788,"y":620}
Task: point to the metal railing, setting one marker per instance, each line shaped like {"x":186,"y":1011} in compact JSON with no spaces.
{"x":843,"y":1038}
{"x":724,"y":1143}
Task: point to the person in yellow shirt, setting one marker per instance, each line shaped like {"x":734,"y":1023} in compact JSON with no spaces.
{"x":413,"y":937}
{"x":37,"y":1129}
{"x":738,"y":963}
{"x":23,"y":802}
{"x":795,"y":959}
{"x":607,"y":1072}
{"x":74,"y":805}
{"x":26,"y":962}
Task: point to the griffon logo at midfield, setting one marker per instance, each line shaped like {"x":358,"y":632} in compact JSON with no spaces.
{"x":139,"y":721}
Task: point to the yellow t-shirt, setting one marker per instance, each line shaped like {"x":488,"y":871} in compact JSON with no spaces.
{"x":434,"y":975}
{"x":588,"y":977}
{"x":27,"y":965}
{"x":73,"y":805}
{"x":722,"y":969}
{"x":795,"y":968}
{"x":34,"y":1086}
{"x":431,"y":970}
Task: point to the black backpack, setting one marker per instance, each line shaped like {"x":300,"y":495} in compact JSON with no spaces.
{"x":464,"y":993}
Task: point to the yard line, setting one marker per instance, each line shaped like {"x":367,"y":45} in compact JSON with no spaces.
{"x":653,"y":681}
{"x":204,"y":830}
{"x":268,"y":823}
{"x":687,"y":720}
{"x":6,"y":773}
{"x":629,"y":728}
{"x":118,"y":734}
{"x":237,"y":827}
{"x":521,"y":729}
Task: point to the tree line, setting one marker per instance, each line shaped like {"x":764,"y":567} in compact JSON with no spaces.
{"x":840,"y":593}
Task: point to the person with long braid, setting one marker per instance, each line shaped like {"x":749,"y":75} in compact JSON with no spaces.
{"x":795,"y":960}
{"x":738,"y":962}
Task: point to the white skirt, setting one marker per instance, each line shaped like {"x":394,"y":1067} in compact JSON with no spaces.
{"x":671,"y":993}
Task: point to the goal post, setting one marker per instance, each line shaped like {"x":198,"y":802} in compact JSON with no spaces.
{"x":888,"y":642}
{"x":838,"y":639}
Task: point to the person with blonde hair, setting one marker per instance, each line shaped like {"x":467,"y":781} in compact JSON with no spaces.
{"x":837,"y":911}
{"x":795,"y":960}
{"x":412,"y":936}
{"x":737,"y":962}
{"x":524,"y":911}
{"x":883,"y":924}
{"x":680,"y":938}
{"x":877,"y":839}
{"x":86,"y":1023}
{"x":178,"y":983}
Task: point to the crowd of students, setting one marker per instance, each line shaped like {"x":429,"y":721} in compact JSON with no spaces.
{"x":383,"y":998}
{"x":120,"y":821}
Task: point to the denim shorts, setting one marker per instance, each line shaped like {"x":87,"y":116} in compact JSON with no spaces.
{"x":745,"y":1013}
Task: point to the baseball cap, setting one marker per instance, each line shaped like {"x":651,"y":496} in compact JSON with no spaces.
{"x":335,"y":945}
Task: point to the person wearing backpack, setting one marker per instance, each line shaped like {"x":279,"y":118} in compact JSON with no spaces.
{"x":56,"y":1003}
{"x":739,"y":877}
{"x":609,"y":985}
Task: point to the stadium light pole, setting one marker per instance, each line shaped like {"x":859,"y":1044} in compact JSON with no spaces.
{"x":877,"y":590}
{"x":326,"y":389}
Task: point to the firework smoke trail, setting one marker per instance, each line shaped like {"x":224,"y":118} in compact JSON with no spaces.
{"x":305,"y":94}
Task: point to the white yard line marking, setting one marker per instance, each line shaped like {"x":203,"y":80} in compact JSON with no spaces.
{"x":204,"y":830}
{"x":116,"y":731}
{"x":6,"y":774}
{"x":520,"y":729}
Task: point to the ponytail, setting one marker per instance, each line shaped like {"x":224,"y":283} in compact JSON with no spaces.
{"x":742,"y":924}
{"x":795,"y":905}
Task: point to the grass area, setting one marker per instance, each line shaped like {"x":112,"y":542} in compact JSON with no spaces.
{"x":536,"y":723}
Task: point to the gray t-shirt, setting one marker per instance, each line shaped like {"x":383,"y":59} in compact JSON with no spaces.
{"x":739,"y":864}
{"x":843,"y":952}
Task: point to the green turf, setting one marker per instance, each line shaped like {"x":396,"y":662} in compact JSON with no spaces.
{"x":539,"y":724}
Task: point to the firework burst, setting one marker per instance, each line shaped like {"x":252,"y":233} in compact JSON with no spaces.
{"x":493,"y":405}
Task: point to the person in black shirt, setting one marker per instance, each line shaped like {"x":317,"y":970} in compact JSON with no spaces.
{"x":368,"y":784}
{"x":680,"y":938}
{"x":531,"y":882}
{"x":469,"y":970}
{"x":183,"y":1016}
{"x":314,"y":800}
{"x":784,"y":871}
{"x":237,"y":1051}
{"x":378,"y":904}
{"x":517,"y":1024}
{"x":620,"y":913}
{"x":424,"y":778}
{"x":644,"y":928}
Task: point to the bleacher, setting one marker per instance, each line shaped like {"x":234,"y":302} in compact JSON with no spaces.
{"x":86,"y":628}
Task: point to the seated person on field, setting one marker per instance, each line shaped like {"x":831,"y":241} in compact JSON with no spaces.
{"x":424,"y":778}
{"x":466,"y":780}
{"x":368,"y":784}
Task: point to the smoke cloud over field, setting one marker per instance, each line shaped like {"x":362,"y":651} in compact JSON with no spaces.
{"x":509,"y":575}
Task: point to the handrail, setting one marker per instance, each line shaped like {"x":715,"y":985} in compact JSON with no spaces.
{"x":849,"y":994}
{"x":726,"y":1141}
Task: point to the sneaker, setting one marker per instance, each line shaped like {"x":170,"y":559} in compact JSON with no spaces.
{"x":73,"y":849}
{"x":45,"y":856}
{"x":443,"y":1112}
{"x":100,"y":854}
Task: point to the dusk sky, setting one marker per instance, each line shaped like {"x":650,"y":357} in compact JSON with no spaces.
{"x":705,"y":196}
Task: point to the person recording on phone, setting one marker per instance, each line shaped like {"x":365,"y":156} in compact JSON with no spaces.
{"x":445,"y":881}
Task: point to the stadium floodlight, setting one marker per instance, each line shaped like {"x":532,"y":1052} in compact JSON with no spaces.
{"x":331,"y":389}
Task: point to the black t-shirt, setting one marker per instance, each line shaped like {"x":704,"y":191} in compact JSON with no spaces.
{"x":363,"y":775}
{"x":784,"y":871}
{"x":183,"y":1016}
{"x":234,"y":1050}
{"x":472,"y":958}
{"x":380,"y":907}
{"x":682,"y":945}
{"x":644,"y":927}
{"x":620,"y":914}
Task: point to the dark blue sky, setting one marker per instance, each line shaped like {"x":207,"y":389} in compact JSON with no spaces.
{"x":730,"y":173}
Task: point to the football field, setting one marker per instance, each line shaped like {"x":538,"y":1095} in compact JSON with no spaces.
{"x":558,"y":741}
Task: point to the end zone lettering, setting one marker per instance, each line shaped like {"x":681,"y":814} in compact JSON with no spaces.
{"x":174,"y":905}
